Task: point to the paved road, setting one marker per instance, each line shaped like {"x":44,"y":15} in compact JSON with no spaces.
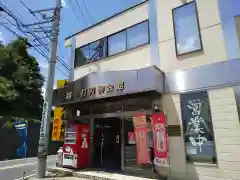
{"x":14,"y":169}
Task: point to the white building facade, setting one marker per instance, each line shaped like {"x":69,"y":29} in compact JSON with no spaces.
{"x":185,"y":41}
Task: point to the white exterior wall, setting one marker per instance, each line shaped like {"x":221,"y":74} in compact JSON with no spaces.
{"x":227,"y":139}
{"x":133,"y":59}
{"x":211,"y":32}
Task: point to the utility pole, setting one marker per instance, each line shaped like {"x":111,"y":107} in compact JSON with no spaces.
{"x":47,"y":106}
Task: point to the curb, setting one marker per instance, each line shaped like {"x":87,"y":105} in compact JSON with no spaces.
{"x":62,"y":171}
{"x":92,"y":177}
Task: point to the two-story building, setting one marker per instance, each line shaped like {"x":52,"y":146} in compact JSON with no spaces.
{"x":170,"y":55}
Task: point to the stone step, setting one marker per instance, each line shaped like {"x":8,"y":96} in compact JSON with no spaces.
{"x":100,"y":175}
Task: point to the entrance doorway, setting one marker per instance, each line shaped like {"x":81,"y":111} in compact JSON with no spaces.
{"x":107,"y":143}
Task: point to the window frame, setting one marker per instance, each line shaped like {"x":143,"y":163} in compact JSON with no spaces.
{"x":198,"y":26}
{"x":125,"y":31}
{"x":76,"y":65}
{"x":105,"y":49}
{"x":148,"y":29}
{"x":106,"y":41}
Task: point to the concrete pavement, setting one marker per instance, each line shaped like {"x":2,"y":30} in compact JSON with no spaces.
{"x":14,"y":169}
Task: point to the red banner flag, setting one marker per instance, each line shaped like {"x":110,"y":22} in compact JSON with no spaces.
{"x":160,"y":139}
{"x":141,"y":137}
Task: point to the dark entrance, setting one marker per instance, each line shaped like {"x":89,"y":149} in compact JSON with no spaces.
{"x":107,"y":143}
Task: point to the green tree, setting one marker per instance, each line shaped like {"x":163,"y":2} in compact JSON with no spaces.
{"x":20,"y":83}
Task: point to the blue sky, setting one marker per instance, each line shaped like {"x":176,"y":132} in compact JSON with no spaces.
{"x":98,"y":10}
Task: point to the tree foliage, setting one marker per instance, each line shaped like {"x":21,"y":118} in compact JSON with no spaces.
{"x":20,"y":82}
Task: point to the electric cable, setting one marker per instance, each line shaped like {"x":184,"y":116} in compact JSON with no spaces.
{"x":36,"y":49}
{"x":74,"y":11}
{"x":85,"y":6}
{"x":79,"y":7}
{"x":19,"y":24}
{"x":62,"y":61}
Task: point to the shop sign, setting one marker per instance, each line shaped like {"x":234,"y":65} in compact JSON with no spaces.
{"x":197,"y":125}
{"x":58,"y":125}
{"x":160,"y":139}
{"x":101,"y":89}
{"x":84,"y":141}
{"x":141,"y":137}
{"x":97,"y":90}
{"x":43,"y":125}
{"x":131,"y":138}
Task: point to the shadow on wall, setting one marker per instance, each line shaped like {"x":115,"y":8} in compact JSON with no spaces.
{"x":237,"y":95}
{"x":11,"y":141}
{"x":177,"y":154}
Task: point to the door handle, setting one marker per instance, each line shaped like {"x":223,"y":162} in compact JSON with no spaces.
{"x":117,"y":139}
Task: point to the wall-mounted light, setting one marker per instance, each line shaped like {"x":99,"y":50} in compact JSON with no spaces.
{"x":156,"y":108}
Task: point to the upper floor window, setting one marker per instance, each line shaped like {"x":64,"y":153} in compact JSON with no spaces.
{"x":97,"y":49}
{"x":117,"y":43}
{"x":132,"y":37}
{"x":186,"y":29}
{"x":90,"y":52}
{"x":81,"y":55}
{"x":137,"y":35}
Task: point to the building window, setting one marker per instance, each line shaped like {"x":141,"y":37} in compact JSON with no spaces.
{"x":117,"y":43}
{"x":186,"y":29}
{"x":81,"y":56}
{"x":98,"y":50}
{"x":198,"y":128}
{"x":137,"y":35}
{"x":129,"y":38}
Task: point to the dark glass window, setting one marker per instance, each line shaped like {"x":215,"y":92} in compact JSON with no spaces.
{"x":186,"y":29}
{"x":137,"y":35}
{"x":117,"y":43}
{"x":198,"y":128}
{"x":97,"y":50}
{"x":81,"y":56}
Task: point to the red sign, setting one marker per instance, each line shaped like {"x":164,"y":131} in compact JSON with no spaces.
{"x":141,"y":137}
{"x":131,"y":138}
{"x":160,"y":140}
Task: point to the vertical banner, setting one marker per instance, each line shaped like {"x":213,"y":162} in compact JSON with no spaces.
{"x":141,"y":138}
{"x":160,"y":139}
{"x":58,"y":126}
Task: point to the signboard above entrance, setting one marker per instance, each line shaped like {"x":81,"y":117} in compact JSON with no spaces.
{"x":102,"y":89}
{"x":96,"y":90}
{"x":109,"y":84}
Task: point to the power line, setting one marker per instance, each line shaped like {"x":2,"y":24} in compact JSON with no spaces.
{"x":74,"y":11}
{"x":20,"y":24}
{"x":87,"y":11}
{"x":34,"y":16}
{"x":40,"y":51}
{"x":59,"y":60}
{"x":79,"y":7}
